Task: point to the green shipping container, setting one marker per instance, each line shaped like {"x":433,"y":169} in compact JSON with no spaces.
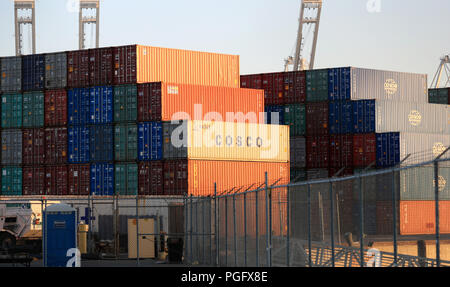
{"x":317,"y":85}
{"x":295,"y":118}
{"x":125,"y":103}
{"x":125,"y":142}
{"x":33,"y":110}
{"x":438,"y":96}
{"x":126,"y":179}
{"x":11,"y":181}
{"x":298,"y":175}
{"x":12,"y":111}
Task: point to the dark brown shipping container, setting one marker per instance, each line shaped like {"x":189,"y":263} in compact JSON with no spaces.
{"x":341,"y":151}
{"x":317,"y":153}
{"x":267,"y":85}
{"x":78,"y":69}
{"x":317,"y":118}
{"x":176,"y":177}
{"x":364,"y":149}
{"x":150,"y":178}
{"x":279,"y":89}
{"x":251,"y":81}
{"x":385,"y":218}
{"x":33,"y":180}
{"x":55,"y":108}
{"x":33,"y":146}
{"x":295,"y":85}
{"x":149,"y":102}
{"x":101,"y":66}
{"x":55,"y":146}
{"x":56,"y":180}
{"x":79,"y":179}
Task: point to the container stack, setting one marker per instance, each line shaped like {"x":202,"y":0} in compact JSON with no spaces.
{"x":352,"y":119}
{"x":439,"y":96}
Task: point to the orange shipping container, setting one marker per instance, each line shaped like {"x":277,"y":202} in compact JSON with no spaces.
{"x":143,"y":64}
{"x":418,"y":217}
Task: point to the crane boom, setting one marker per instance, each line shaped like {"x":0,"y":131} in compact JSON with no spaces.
{"x":444,"y":66}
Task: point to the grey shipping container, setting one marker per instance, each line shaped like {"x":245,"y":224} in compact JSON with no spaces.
{"x":316,"y":173}
{"x":422,"y":146}
{"x":298,"y":152}
{"x":11,"y":73}
{"x":169,"y":151}
{"x":11,"y":147}
{"x":55,"y":71}
{"x":418,"y":184}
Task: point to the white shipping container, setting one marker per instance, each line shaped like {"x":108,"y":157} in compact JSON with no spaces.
{"x":422,"y":146}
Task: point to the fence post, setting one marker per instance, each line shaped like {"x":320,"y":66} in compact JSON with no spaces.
{"x":217,"y":225}
{"x":257,"y":228}
{"x":436,"y":196}
{"x":267,"y":222}
{"x":309,"y":227}
{"x":332,"y":224}
{"x":210,"y":231}
{"x":203,"y":230}
{"x":245,"y":229}
{"x":288,"y":215}
{"x":361,"y":222}
{"x":234,"y":230}
{"x":137,"y":230}
{"x":186,"y":220}
{"x":394,"y":218}
{"x":226,"y":230}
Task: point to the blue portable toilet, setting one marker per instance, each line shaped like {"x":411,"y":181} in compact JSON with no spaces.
{"x":59,"y":235}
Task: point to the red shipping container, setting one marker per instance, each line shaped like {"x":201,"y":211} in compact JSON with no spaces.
{"x":55,"y":108}
{"x":317,"y":118}
{"x":251,"y":81}
{"x":295,"y":85}
{"x":175,"y":177}
{"x":364,"y":149}
{"x":55,"y":146}
{"x":33,"y":146}
{"x":419,"y":217}
{"x":150,"y":178}
{"x":78,"y":69}
{"x":33,"y":180}
{"x":317,"y":153}
{"x":267,"y":84}
{"x":101,"y":66}
{"x":341,"y":151}
{"x":279,"y":88}
{"x":56,"y":180}
{"x":79,"y":179}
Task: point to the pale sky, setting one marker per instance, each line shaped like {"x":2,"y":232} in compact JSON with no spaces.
{"x":406,"y":35}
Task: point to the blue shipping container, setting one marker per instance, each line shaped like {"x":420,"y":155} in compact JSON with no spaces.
{"x":78,"y":104}
{"x":101,"y":143}
{"x":33,"y":72}
{"x":150,"y":141}
{"x":339,"y":84}
{"x":363,"y":116}
{"x":101,"y":105}
{"x":78,"y":144}
{"x":341,"y":117}
{"x":271,"y":113}
{"x":388,"y":149}
{"x":102,"y":179}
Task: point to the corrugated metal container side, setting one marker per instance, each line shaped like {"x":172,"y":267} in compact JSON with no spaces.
{"x":369,"y":184}
{"x":385,"y":186}
{"x":274,"y":115}
{"x":78,"y":144}
{"x":295,"y":85}
{"x":298,"y":175}
{"x":126,"y":179}
{"x":295,"y":118}
{"x":423,"y":147}
{"x":55,"y":108}
{"x":33,"y":110}
{"x":339,"y":84}
{"x":364,"y":149}
{"x":101,"y":66}
{"x":151,"y":178}
{"x":225,"y":141}
{"x":78,"y":106}
{"x":419,"y":183}
{"x":438,"y":96}
{"x":317,"y":119}
{"x":150,"y":142}
{"x":278,"y":88}
{"x":125,"y":142}
{"x":370,"y":217}
{"x":79,"y":179}
{"x":101,"y":105}
{"x":419,"y":217}
{"x":102,"y":179}
{"x":56,"y":180}
{"x":341,"y":151}
{"x":101,"y":143}
{"x":385,"y":219}
{"x":333,"y":172}
{"x":11,"y":181}
{"x":11,"y":147}
{"x":317,"y":85}
{"x":56,"y":140}
{"x":143,"y":64}
{"x":56,"y":71}
{"x":298,"y":152}
{"x":12,"y":111}
{"x":33,"y":146}
{"x":317,"y":151}
{"x":386,"y":85}
{"x":251,"y":81}
{"x":125,"y":103}
{"x":78,"y":69}
{"x":316,"y":173}
{"x":364,"y":116}
{"x":388,"y":149}
{"x":340,"y":117}
{"x":33,"y":181}
{"x":33,"y":72}
{"x":11,"y":68}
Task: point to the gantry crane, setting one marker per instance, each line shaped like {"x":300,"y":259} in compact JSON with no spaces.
{"x":444,"y":66}
{"x":303,"y":59}
{"x":23,"y":16}
{"x":89,"y":6}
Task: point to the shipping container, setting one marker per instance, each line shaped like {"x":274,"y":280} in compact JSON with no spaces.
{"x":125,"y":103}
{"x":225,"y":141}
{"x":385,"y":218}
{"x":364,"y":116}
{"x":78,"y":144}
{"x":317,"y":119}
{"x":364,"y":149}
{"x":278,"y":89}
{"x":274,"y":115}
{"x":339,"y":84}
{"x":295,"y":84}
{"x":78,"y":69}
{"x":317,"y":173}
{"x":341,"y":151}
{"x":317,"y":152}
{"x":79,"y":179}
{"x":11,"y":181}
{"x":422,"y":146}
{"x":150,"y":141}
{"x":367,"y":184}
{"x":167,"y":102}
{"x":33,"y":110}
{"x":418,"y":184}
{"x":56,"y":180}
{"x":126,"y":179}
{"x":33,"y":146}
{"x":439,"y":96}
{"x":78,"y":106}
{"x":387,"y":184}
{"x":56,"y":140}
{"x":197,"y":178}
{"x":298,"y":175}
{"x":55,"y":108}
{"x":370,"y":218}
{"x":251,"y":81}
{"x":11,"y":147}
{"x":125,"y":142}
{"x":11,"y":68}
{"x":267,"y":84}
{"x":102,"y":179}
{"x":56,"y":71}
{"x":150,"y":178}
{"x":101,"y":66}
{"x":12,"y":111}
{"x":298,"y":152}
{"x":317,"y":85}
{"x":33,"y":72}
{"x":101,"y":105}
{"x":340,"y":172}
{"x":101,"y":143}
{"x":33,"y":181}
{"x":295,"y":118}
{"x":142,"y":64}
{"x":388,"y":149}
{"x":340,"y":117}
{"x":419,"y":217}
